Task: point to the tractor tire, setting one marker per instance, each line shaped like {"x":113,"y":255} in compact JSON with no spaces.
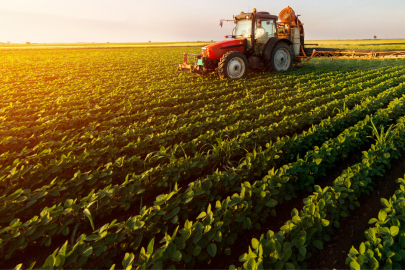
{"x":233,"y":65}
{"x":281,"y":58}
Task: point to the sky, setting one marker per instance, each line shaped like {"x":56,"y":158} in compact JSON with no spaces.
{"x":68,"y":21}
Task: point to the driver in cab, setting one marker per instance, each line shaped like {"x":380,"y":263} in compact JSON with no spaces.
{"x":261,"y":35}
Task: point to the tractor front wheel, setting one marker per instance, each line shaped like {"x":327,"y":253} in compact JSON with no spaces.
{"x":233,"y":65}
{"x":281,"y":57}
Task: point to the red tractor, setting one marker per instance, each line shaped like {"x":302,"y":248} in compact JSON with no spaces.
{"x":259,"y":41}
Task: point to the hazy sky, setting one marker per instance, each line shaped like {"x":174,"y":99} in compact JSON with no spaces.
{"x":180,"y":20}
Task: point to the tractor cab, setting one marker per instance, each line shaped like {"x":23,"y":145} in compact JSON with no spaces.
{"x":257,"y":28}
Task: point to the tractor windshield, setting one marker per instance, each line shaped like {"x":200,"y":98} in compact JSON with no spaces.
{"x":243,"y":28}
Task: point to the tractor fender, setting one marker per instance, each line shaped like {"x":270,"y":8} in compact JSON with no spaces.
{"x":268,"y":48}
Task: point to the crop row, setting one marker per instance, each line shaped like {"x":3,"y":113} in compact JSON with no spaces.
{"x":253,"y":120}
{"x":285,"y":145}
{"x":309,"y":228}
{"x":385,"y":245}
{"x":20,"y":155}
{"x":397,"y":106}
{"x":251,"y":95}
{"x":26,"y":132}
{"x":76,"y":102}
{"x":15,"y":143}
{"x":215,"y":123}
{"x":115,"y":103}
{"x":58,"y":187}
{"x":163,"y":175}
{"x":254,"y":202}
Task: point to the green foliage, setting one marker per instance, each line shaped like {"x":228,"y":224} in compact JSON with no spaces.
{"x":90,"y":133}
{"x":310,"y":227}
{"x":385,"y":241}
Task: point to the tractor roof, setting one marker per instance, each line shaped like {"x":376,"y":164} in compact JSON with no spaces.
{"x":260,"y":14}
{"x":266,"y":15}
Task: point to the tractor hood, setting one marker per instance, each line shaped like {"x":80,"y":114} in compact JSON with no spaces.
{"x":218,"y":49}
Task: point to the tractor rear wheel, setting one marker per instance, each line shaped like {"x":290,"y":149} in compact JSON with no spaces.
{"x":281,"y":57}
{"x":233,"y":65}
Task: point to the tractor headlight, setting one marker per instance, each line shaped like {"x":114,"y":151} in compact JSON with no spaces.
{"x":204,"y":51}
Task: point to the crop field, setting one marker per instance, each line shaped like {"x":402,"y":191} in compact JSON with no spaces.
{"x":111,"y":158}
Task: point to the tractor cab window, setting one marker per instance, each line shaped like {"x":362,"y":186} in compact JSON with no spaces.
{"x":243,"y":29}
{"x":264,"y":30}
{"x":269,"y":27}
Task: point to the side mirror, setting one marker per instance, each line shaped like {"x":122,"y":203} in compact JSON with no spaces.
{"x":220,"y":23}
{"x":259,"y":22}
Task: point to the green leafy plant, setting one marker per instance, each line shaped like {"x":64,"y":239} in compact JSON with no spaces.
{"x":381,"y":136}
{"x":385,"y":245}
{"x":89,"y":134}
{"x":223,"y":151}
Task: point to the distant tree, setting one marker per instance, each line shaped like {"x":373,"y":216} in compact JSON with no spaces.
{"x":27,"y":43}
{"x":375,"y":37}
{"x":150,"y":41}
{"x":8,"y":42}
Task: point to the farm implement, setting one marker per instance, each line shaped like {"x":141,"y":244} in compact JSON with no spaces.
{"x":264,"y":41}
